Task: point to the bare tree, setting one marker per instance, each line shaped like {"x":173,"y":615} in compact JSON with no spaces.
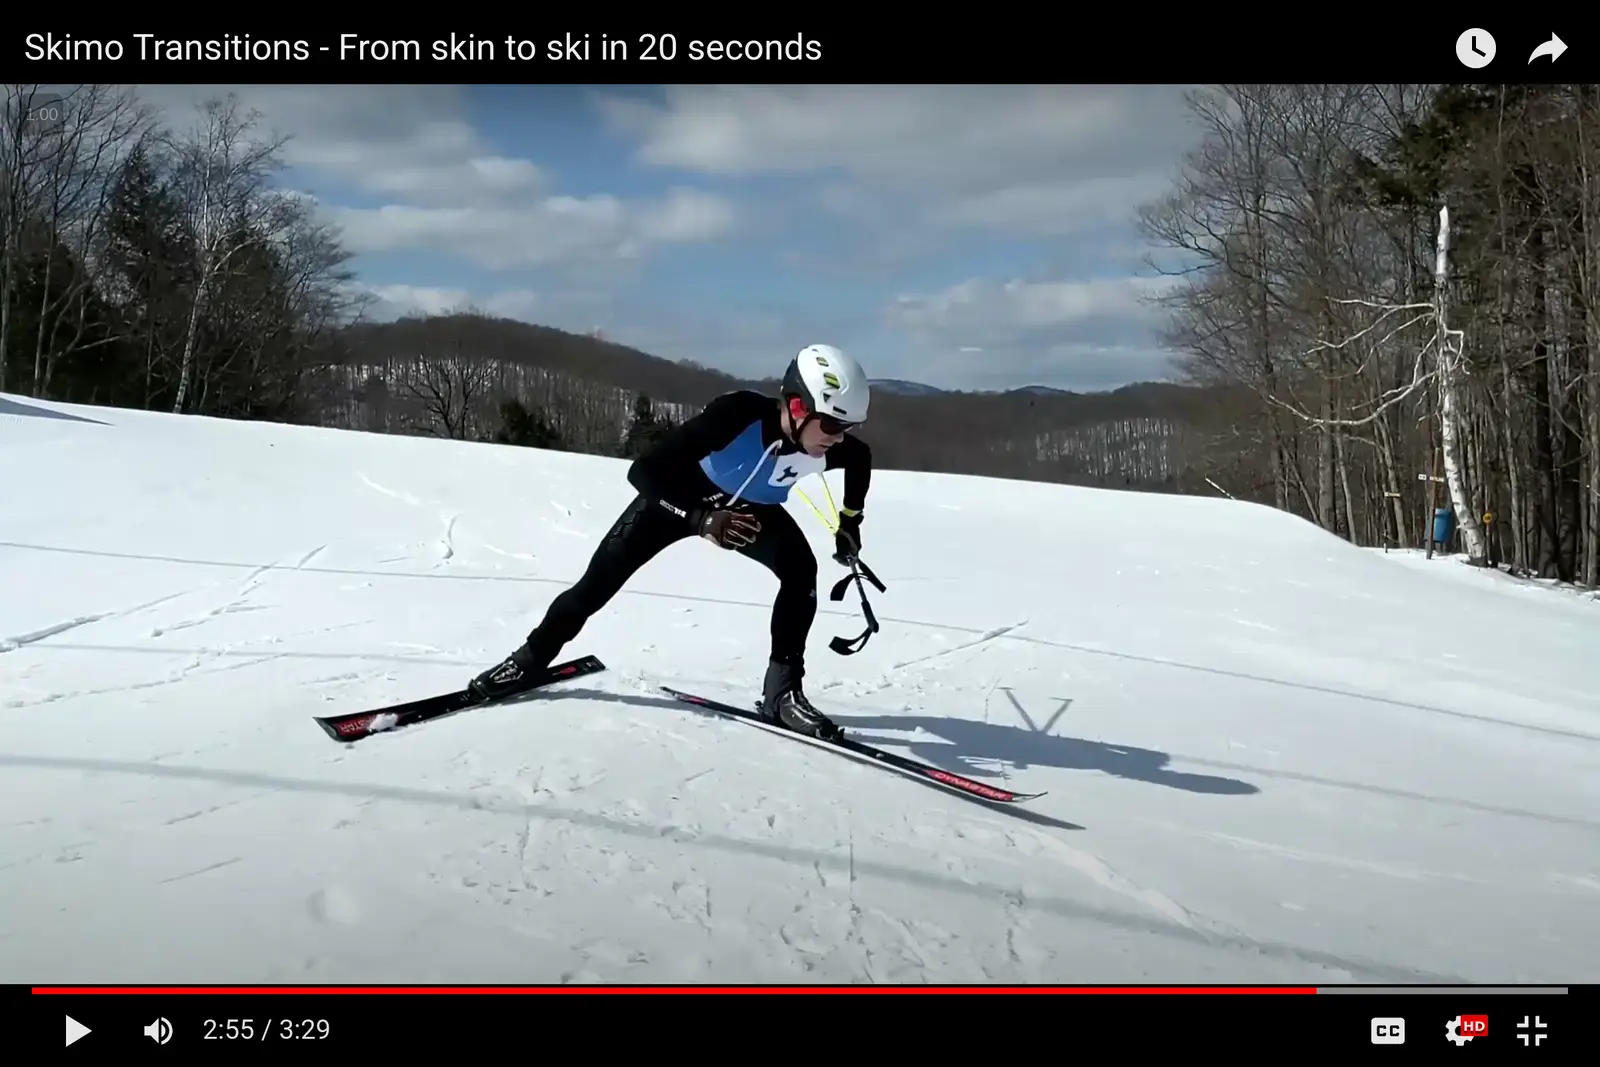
{"x":451,"y":383}
{"x":225,"y":178}
{"x":96,"y":129}
{"x":24,"y":146}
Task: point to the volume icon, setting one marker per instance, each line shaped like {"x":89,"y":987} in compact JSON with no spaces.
{"x":159,"y":1031}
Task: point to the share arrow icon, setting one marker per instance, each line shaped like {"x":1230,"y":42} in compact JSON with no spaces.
{"x":1552,"y":48}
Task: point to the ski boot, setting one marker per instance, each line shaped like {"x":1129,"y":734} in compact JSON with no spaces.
{"x":783,"y":703}
{"x":509,"y":676}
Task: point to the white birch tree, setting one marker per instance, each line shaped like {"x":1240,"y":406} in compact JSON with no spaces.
{"x":224,"y":175}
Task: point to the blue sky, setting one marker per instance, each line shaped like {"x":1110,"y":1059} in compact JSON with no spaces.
{"x":969,"y":237}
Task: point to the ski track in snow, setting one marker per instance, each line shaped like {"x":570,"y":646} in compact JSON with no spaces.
{"x":11,"y":644}
{"x":981,"y":640}
{"x":1352,"y":828}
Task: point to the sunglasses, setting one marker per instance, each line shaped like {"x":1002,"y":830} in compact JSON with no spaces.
{"x":831,"y":426}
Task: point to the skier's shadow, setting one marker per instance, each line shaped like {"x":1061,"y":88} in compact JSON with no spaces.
{"x":974,"y":744}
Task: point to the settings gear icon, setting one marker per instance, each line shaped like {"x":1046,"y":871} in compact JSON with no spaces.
{"x":1452,"y":1032}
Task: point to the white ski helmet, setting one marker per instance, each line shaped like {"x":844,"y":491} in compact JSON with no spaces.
{"x":830,"y":383}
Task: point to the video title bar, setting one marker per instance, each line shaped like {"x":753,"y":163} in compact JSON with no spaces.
{"x":825,"y":49}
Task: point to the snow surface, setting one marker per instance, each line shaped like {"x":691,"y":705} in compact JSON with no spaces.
{"x":1270,"y":756}
{"x":1455,"y":565}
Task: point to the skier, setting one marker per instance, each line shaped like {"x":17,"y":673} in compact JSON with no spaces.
{"x":724,"y":475}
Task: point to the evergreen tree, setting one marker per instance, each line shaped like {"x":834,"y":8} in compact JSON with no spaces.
{"x":645,"y":430}
{"x":529,"y":429}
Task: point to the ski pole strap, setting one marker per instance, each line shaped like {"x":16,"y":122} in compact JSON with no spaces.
{"x":850,"y":648}
{"x":866,"y":572}
{"x":858,"y":570}
{"x":856,"y":644}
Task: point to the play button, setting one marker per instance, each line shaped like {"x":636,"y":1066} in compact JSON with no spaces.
{"x":75,"y":1030}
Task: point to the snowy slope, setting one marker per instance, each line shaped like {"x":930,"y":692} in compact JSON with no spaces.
{"x":1270,"y":756}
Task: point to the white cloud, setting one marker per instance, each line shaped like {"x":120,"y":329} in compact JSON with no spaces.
{"x":412,"y":142}
{"x":980,"y":307}
{"x":389,"y":302}
{"x":686,"y":215}
{"x":567,"y":310}
{"x":916,"y":173}
{"x":656,"y":328}
{"x":1060,"y":208}
{"x":398,"y":301}
{"x":1070,"y":334}
{"x":445,"y":188}
{"x":1015,"y":158}
{"x":891,"y":132}
{"x":550,"y":231}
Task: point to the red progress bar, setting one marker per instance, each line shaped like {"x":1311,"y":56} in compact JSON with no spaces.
{"x":501,"y":990}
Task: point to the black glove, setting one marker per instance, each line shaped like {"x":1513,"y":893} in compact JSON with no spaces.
{"x":847,"y":538}
{"x":729,"y":529}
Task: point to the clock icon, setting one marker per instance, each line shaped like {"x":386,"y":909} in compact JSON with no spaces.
{"x":1475,"y":48}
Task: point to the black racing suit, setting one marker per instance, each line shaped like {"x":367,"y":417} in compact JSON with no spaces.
{"x":735,"y":452}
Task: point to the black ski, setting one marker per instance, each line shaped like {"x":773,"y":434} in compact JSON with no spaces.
{"x":967,"y":787}
{"x":359,"y":724}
